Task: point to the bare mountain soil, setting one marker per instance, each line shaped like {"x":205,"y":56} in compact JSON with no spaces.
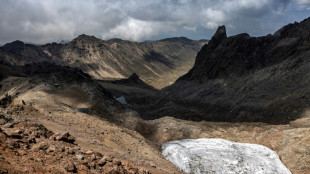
{"x":71,"y":102}
{"x":31,"y":148}
{"x":158,"y":63}
{"x":128,"y":138}
{"x":290,"y":141}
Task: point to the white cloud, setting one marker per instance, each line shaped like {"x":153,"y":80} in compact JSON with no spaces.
{"x":304,"y":4}
{"x":131,"y":29}
{"x":46,"y":21}
{"x":190,"y":28}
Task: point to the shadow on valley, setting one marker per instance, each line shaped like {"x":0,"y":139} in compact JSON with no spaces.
{"x":153,"y":56}
{"x":234,"y":79}
{"x":240,"y":79}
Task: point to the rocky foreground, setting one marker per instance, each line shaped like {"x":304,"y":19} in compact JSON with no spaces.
{"x":31,"y":148}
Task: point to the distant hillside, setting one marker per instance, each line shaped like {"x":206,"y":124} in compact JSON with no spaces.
{"x":158,"y":63}
{"x":242,"y":78}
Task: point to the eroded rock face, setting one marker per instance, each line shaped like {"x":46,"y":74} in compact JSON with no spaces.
{"x":226,"y":57}
{"x":222,"y":156}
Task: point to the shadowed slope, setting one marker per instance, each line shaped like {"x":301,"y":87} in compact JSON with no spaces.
{"x":241,"y":78}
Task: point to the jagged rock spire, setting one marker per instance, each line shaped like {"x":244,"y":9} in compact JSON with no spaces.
{"x":218,"y":37}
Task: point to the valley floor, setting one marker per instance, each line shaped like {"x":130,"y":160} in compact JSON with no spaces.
{"x":142,"y":146}
{"x":117,"y":131}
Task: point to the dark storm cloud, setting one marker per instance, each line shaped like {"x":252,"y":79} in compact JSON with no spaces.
{"x":46,"y":20}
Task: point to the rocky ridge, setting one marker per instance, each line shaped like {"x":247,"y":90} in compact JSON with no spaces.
{"x":241,"y":78}
{"x":112,"y":59}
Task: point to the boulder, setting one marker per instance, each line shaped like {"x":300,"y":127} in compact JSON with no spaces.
{"x":40,"y":146}
{"x":79,"y":157}
{"x":102,"y":161}
{"x":12,"y":144}
{"x":70,"y":167}
{"x":66,"y":137}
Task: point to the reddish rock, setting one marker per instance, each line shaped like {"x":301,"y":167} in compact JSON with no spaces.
{"x":70,"y":167}
{"x":2,"y":121}
{"x":66,"y":137}
{"x":93,"y":157}
{"x":8,"y":125}
{"x":50,"y":156}
{"x":12,"y":144}
{"x":102,"y":161}
{"x":89,"y":152}
{"x":40,"y":146}
{"x":51,"y":149}
{"x":70,"y":151}
{"x":79,"y":157}
{"x":116,"y":162}
{"x":2,"y":137}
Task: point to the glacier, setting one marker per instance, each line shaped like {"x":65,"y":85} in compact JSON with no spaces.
{"x":219,"y":156}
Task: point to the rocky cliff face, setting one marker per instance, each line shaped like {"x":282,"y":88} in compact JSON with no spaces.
{"x":158,"y":63}
{"x":241,"y":54}
{"x":242,"y":78}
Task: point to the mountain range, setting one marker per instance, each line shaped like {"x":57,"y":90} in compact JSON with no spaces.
{"x":241,"y":78}
{"x":158,"y":63}
{"x":59,"y":110}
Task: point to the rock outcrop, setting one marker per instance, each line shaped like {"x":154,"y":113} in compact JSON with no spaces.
{"x":241,"y":78}
{"x":41,"y":152}
{"x":241,"y":54}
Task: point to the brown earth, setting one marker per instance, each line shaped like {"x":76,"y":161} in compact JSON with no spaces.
{"x":129,"y":138}
{"x":31,"y":148}
{"x":107,"y":127}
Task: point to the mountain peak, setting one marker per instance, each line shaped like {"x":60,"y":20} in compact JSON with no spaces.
{"x":219,"y":35}
{"x":86,"y":37}
{"x":133,"y":76}
{"x":17,"y":42}
{"x":221,"y":31}
{"x":15,"y":46}
{"x":176,"y":39}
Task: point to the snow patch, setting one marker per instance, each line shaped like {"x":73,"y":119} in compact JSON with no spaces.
{"x":222,"y":156}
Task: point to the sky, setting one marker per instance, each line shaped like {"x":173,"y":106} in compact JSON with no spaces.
{"x":45,"y":21}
